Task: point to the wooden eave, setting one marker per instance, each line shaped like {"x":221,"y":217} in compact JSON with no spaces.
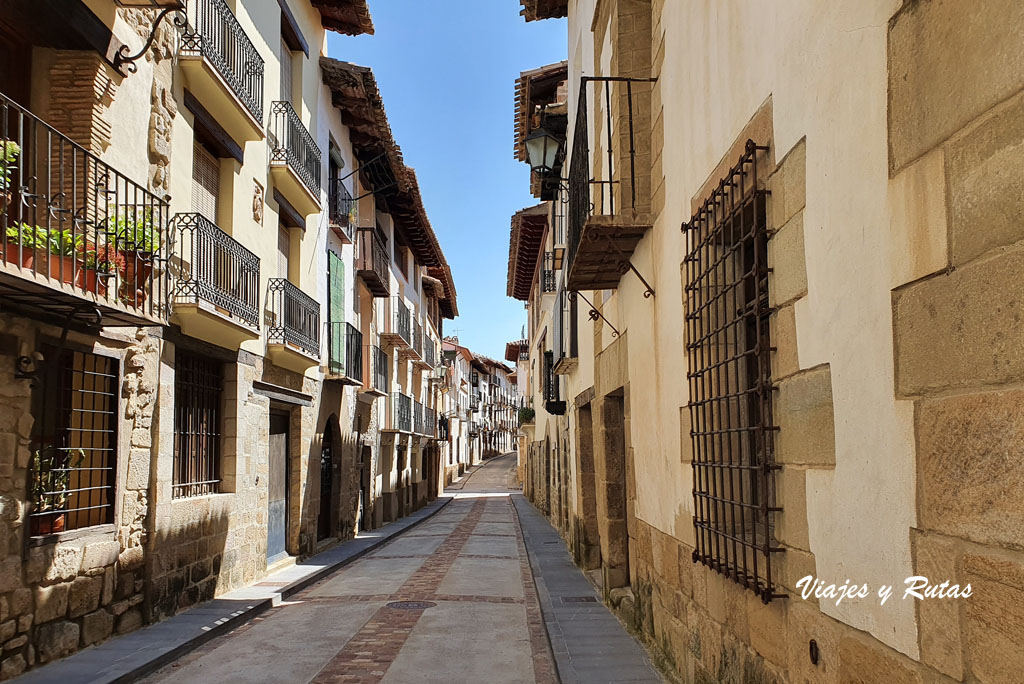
{"x":535,"y":10}
{"x":533,"y":88}
{"x":349,"y":17}
{"x":525,"y":242}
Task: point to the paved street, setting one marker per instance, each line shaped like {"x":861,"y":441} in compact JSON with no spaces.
{"x":452,"y":600}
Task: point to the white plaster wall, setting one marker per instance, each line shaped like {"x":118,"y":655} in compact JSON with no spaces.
{"x":824,"y":65}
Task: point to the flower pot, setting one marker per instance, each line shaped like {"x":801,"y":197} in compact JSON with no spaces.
{"x":25,"y":259}
{"x":48,"y":523}
{"x":63,"y":267}
{"x":138,"y":267}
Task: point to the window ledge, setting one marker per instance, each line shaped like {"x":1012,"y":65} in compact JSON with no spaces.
{"x":107,"y":531}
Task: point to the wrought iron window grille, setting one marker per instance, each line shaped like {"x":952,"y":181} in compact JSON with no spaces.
{"x":73,"y":467}
{"x":198,"y":383}
{"x":731,"y":391}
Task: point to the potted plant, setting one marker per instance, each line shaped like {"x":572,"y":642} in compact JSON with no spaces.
{"x":99,"y":264}
{"x":9,"y":151}
{"x":22,"y":242}
{"x":138,"y":240}
{"x":51,"y":478}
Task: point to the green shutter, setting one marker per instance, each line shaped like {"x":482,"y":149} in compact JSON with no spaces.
{"x":336,"y":311}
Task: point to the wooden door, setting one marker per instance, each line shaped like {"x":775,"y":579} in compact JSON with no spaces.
{"x":277,"y":513}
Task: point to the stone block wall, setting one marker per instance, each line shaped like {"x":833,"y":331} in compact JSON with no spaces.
{"x":62,"y":593}
{"x":957,"y":304}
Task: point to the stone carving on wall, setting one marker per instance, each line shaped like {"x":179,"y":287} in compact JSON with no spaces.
{"x":257,"y":202}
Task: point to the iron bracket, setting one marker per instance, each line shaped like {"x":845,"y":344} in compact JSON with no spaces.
{"x":595,"y":314}
{"x":125,"y":63}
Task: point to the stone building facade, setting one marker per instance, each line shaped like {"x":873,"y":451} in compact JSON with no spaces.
{"x":189,"y":392}
{"x":816,"y":160}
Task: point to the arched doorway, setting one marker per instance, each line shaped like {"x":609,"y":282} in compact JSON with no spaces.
{"x":327,"y":454}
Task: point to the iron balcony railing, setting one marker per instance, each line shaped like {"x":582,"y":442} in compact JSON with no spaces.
{"x":292,"y":143}
{"x":400,"y":412}
{"x":343,"y":210}
{"x":372,"y":262}
{"x":548,"y":274}
{"x":376,"y":369}
{"x":417,"y":418}
{"x":69,"y":217}
{"x":400,"y":320}
{"x":296,"y":317}
{"x":215,"y":269}
{"x":417,"y":338}
{"x":429,"y":422}
{"x":429,"y":351}
{"x":344,"y":351}
{"x":615,"y":186}
{"x":565,"y":340}
{"x":214,"y":33}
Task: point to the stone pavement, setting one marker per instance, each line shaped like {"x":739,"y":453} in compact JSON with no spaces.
{"x":141,"y":652}
{"x":451,"y":600}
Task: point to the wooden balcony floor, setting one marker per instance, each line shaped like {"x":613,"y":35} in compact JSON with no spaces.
{"x":598,"y":265}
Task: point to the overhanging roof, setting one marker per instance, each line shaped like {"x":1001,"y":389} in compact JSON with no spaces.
{"x":525,"y":241}
{"x":351,"y":17}
{"x":513,"y":349}
{"x":537,"y":87}
{"x":355,"y":94}
{"x":544,"y":9}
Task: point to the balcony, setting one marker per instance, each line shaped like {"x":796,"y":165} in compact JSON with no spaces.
{"x":293,"y":338}
{"x":222,"y":69}
{"x":344,"y":353}
{"x":343,"y":210}
{"x":429,"y":422}
{"x":565,"y":340}
{"x":608,"y":206}
{"x":372,"y":263}
{"x":399,"y":413}
{"x":429,"y":352}
{"x":294,"y":159}
{"x":79,"y":238}
{"x":418,"y":426}
{"x":548,"y":273}
{"x":415,"y":351}
{"x":217,"y":283}
{"x":397,"y":329}
{"x":375,"y":371}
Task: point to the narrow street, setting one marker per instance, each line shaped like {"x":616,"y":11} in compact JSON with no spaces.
{"x":452,"y":600}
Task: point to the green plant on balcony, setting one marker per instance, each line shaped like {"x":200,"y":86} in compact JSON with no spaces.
{"x":9,"y":151}
{"x":526,"y":415}
{"x":70,"y":250}
{"x":137,"y":239}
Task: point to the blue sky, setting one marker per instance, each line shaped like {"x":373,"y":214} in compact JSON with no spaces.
{"x":446,"y":70}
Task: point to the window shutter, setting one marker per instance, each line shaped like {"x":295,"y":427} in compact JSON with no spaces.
{"x":336,"y":304}
{"x":205,"y":182}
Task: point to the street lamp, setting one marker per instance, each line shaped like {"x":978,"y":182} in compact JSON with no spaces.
{"x":124,"y":62}
{"x":542,"y":151}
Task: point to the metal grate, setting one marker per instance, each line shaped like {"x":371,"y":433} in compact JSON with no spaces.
{"x":549,"y":272}
{"x":728,"y":349}
{"x":74,"y":469}
{"x":197,"y":424}
{"x":291,"y":142}
{"x":214,"y":32}
{"x":296,"y":317}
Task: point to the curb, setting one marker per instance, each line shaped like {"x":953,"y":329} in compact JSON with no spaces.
{"x":100,"y":664}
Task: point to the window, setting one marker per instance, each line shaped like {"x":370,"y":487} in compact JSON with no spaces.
{"x":728,"y":351}
{"x":74,"y":462}
{"x":205,"y":182}
{"x":197,"y":424}
{"x":401,"y":260}
{"x":287,"y":87}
